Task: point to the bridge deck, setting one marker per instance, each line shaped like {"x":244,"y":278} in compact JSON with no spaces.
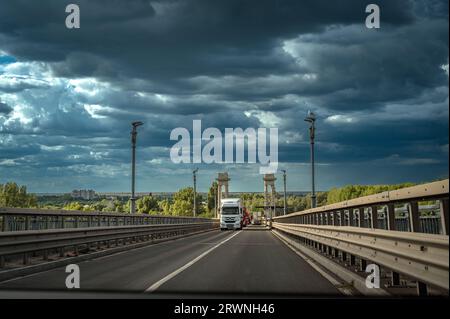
{"x":215,"y":262}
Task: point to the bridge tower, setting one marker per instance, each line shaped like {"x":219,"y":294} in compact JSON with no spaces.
{"x":269,"y":198}
{"x":222,"y":181}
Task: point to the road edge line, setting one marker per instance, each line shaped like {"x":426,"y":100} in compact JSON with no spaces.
{"x":353,"y":280}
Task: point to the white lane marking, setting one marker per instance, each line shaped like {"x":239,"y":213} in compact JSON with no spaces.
{"x":157,"y":284}
{"x":108,"y":256}
{"x":327,"y":276}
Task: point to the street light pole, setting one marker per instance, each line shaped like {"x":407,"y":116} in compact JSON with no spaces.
{"x":284,"y":184}
{"x":311,"y":118}
{"x":194,"y":172}
{"x":215,"y":200}
{"x":133,"y":165}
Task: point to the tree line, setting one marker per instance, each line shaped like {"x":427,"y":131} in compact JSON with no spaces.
{"x":181,"y":203}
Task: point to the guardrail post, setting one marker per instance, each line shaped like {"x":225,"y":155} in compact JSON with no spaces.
{"x":352,"y":260}
{"x":327,"y":218}
{"x":395,"y":279}
{"x":390,"y":217}
{"x":335,"y":220}
{"x":414,"y":215}
{"x":5,"y":223}
{"x":26,"y":259}
{"x":351,"y":217}
{"x":374,"y":217}
{"x":362,"y":265}
{"x":27,"y":222}
{"x":2,"y":261}
{"x":360,"y":217}
{"x":443,"y":210}
{"x":422,"y":289}
{"x":344,"y":256}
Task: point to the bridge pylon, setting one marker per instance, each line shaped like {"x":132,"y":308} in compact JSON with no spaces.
{"x":222,"y":181}
{"x":269,"y":197}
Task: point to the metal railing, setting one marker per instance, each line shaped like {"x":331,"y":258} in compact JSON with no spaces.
{"x":15,"y":243}
{"x":18,"y":219}
{"x":379,"y":230}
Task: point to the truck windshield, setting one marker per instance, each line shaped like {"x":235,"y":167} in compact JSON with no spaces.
{"x":230,"y":210}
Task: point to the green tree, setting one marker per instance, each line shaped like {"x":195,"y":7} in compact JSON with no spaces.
{"x":165,"y":206}
{"x":12,"y":195}
{"x":147,"y":205}
{"x":183,"y":203}
{"x":211,"y":198}
{"x":336,"y":195}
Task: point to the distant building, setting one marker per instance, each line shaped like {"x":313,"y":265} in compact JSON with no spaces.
{"x":84,"y":194}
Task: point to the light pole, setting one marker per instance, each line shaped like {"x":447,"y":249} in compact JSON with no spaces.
{"x":311,"y":118}
{"x":215,"y":200}
{"x":284,"y":184}
{"x":194,"y":172}
{"x":133,"y":165}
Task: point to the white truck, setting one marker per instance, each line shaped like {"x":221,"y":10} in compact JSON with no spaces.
{"x":231,"y":213}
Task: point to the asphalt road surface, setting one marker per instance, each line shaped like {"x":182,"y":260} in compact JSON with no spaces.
{"x":230,"y":262}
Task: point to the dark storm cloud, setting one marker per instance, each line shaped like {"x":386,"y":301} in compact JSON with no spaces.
{"x":381,"y":96}
{"x":173,"y":38}
{"x":5,"y":109}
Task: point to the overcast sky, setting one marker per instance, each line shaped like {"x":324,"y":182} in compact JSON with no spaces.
{"x":67,"y":97}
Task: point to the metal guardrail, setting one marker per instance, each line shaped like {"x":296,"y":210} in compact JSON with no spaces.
{"x":358,"y":229}
{"x":420,"y":256}
{"x":17,"y":219}
{"x":365,"y":211}
{"x":25,"y":242}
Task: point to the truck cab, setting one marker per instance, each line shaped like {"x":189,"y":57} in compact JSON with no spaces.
{"x":231,"y":213}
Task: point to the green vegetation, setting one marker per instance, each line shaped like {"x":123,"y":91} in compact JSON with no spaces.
{"x":181,"y":203}
{"x":13,"y":195}
{"x":336,"y":195}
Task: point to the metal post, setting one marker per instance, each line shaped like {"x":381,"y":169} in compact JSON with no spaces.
{"x":414,"y":215}
{"x":133,"y":165}
{"x":285,"y":198}
{"x":194,"y":172}
{"x":311,"y":118}
{"x":395,"y":279}
{"x":374,"y":217}
{"x":351,"y":217}
{"x":390,"y":217}
{"x":215,"y":201}
{"x":444,"y":215}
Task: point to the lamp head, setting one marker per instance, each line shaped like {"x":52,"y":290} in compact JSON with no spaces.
{"x":195,"y":171}
{"x":136,"y":124}
{"x":311,"y":117}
